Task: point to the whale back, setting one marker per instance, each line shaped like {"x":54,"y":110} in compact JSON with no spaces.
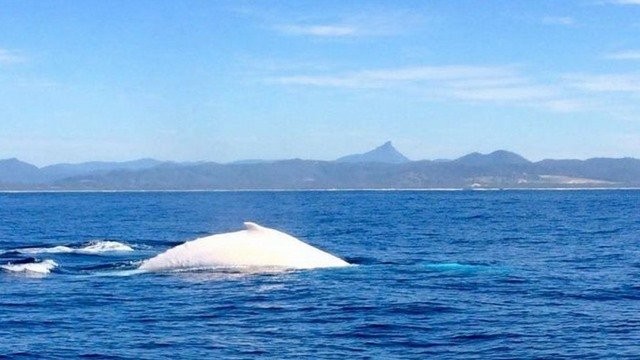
{"x":256,"y":246}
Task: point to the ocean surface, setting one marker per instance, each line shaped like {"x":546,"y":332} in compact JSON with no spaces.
{"x":438,"y":275}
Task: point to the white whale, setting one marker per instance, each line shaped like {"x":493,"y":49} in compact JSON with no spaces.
{"x":255,"y":247}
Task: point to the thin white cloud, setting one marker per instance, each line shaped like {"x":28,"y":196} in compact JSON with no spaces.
{"x":320,"y":81}
{"x":506,"y":94}
{"x":328,"y":30}
{"x":503,"y":85}
{"x":565,"y":105}
{"x":624,"y":55}
{"x":559,"y":20}
{"x":390,"y":77}
{"x":433,"y":73}
{"x":489,"y":82}
{"x":11,"y":57}
{"x":506,"y":85}
{"x":365,"y":22}
{"x":626,"y":2}
{"x":607,"y":83}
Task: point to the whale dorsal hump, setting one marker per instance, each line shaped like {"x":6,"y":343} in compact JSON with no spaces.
{"x":252,"y":226}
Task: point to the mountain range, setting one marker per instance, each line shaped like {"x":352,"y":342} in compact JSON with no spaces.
{"x":381,"y":168}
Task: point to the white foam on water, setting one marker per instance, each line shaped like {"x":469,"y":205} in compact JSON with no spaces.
{"x":104,"y":246}
{"x":271,"y":287}
{"x":42,"y":267}
{"x":96,"y":247}
{"x":45,"y":250}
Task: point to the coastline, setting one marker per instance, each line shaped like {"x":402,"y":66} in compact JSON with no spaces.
{"x":319,"y":190}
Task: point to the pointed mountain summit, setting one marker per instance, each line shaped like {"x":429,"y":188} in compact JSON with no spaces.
{"x":385,"y":153}
{"x":496,"y":158}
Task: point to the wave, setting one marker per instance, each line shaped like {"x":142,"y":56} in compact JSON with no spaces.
{"x":95,"y":247}
{"x":37,"y":267}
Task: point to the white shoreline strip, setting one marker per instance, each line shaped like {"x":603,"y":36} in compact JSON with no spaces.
{"x":314,"y":190}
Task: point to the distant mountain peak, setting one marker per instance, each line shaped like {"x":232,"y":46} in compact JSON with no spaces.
{"x":12,"y":160}
{"x":498,"y":157}
{"x":16,"y":171}
{"x":385,"y":153}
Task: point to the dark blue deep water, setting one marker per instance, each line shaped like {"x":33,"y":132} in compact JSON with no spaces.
{"x":466,"y":274}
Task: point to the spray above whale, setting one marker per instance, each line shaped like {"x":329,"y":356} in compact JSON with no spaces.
{"x":256,"y":246}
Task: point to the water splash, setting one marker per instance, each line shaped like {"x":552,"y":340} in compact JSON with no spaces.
{"x":95,"y":247}
{"x":37,"y":267}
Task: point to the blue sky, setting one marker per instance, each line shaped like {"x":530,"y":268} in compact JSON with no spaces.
{"x":228,"y":80}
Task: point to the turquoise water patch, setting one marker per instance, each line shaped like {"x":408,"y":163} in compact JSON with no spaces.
{"x":455,"y":267}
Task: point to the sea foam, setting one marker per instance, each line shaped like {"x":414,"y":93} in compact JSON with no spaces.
{"x":42,"y":267}
{"x":96,"y":247}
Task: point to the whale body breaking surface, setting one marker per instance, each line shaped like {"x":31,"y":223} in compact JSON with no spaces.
{"x":254,"y":247}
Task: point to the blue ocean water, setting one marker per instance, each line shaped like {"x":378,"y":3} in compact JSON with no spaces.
{"x":451,"y":274}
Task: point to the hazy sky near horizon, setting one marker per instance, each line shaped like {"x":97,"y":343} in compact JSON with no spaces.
{"x":228,"y":80}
